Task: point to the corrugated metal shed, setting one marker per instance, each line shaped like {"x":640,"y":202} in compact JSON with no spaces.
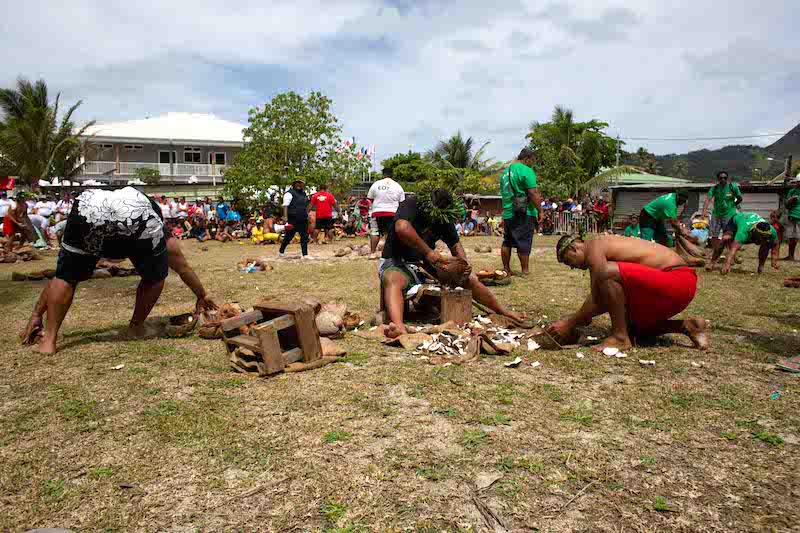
{"x":629,"y":200}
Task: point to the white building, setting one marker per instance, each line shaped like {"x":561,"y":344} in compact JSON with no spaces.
{"x":179,"y":145}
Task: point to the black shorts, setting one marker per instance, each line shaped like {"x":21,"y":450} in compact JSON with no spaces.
{"x":518,"y":233}
{"x":380,"y":226}
{"x":74,"y":268}
{"x":324,"y":224}
{"x":730,"y":228}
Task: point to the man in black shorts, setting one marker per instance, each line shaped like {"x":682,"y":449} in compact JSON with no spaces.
{"x":410,"y":254}
{"x":521,"y":209}
{"x":115,"y":225}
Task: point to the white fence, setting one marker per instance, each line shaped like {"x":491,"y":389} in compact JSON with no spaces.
{"x":165,"y":169}
{"x":565,"y":222}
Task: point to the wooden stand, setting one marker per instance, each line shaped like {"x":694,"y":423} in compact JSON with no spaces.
{"x":454,"y":305}
{"x":283,"y":334}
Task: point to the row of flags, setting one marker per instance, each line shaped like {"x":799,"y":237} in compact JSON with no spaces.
{"x":368,"y":151}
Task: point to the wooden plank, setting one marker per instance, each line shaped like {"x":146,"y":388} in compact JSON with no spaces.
{"x":456,"y":306}
{"x":245,"y":341}
{"x":307,"y":333}
{"x":271,"y":353}
{"x":293,"y":356}
{"x":280,"y":307}
{"x":241,"y":320}
{"x":276,"y":324}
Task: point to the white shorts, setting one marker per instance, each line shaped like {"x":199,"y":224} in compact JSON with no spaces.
{"x":792,"y":229}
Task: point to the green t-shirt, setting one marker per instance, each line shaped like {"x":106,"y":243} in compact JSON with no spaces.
{"x":744,"y":222}
{"x":633,"y":231}
{"x":794,"y":211}
{"x":724,"y":199}
{"x":515,"y":181}
{"x":663,"y":207}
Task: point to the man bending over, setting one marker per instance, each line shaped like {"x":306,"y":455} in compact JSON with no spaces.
{"x":640,"y":284}
{"x":746,"y":228}
{"x":114,"y":225}
{"x":409,"y":252}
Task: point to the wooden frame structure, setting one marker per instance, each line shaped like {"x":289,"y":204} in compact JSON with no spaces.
{"x":283,"y":333}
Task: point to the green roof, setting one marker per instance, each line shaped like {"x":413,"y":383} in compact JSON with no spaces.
{"x":646,"y":179}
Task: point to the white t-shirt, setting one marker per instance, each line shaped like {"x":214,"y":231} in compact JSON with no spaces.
{"x":5,"y":205}
{"x":164,"y":210}
{"x":31,"y":205}
{"x":173,"y":209}
{"x":64,"y":206}
{"x":182,"y":210}
{"x":386,"y":195}
{"x":44,"y":209}
{"x":287,"y":199}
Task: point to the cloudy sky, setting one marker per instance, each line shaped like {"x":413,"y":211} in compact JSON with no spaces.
{"x":405,"y":73}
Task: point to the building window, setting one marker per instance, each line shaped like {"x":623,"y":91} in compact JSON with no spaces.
{"x":217,"y":158}
{"x":132,"y":147}
{"x":164,"y":157}
{"x":191,"y":155}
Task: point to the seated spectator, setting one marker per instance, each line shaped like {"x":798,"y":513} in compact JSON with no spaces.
{"x":257,"y":232}
{"x":199,"y":231}
{"x":223,"y":235}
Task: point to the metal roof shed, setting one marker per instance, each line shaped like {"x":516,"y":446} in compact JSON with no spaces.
{"x":627,"y":200}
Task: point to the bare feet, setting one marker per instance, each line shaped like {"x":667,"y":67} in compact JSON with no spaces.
{"x":33,"y":331}
{"x":697,"y":330}
{"x":45,"y":347}
{"x":613,"y":341}
{"x":394,"y":330}
{"x":135,"y":332}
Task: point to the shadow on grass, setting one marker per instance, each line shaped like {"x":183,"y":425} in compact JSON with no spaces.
{"x":788,"y":319}
{"x":775,"y":343}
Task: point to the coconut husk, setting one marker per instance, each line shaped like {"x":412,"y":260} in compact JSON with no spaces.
{"x":101,"y":273}
{"x":330,"y":348}
{"x":329,"y":323}
{"x":453,"y":272}
{"x":181,"y":325}
{"x":341,"y":252}
{"x":351,"y":320}
{"x":364,"y":250}
{"x":409,"y":341}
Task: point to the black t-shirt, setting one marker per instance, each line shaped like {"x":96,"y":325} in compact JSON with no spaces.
{"x":430,"y":232}
{"x":115,"y":224}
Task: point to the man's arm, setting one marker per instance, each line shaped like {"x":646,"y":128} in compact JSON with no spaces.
{"x":732,"y":249}
{"x":457,"y":250}
{"x":596,"y":257}
{"x":763,"y":252}
{"x":177,"y":262}
{"x":406,"y":232}
{"x":536,"y":199}
{"x":705,"y":206}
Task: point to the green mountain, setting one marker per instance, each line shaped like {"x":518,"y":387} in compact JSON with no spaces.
{"x":743,"y":162}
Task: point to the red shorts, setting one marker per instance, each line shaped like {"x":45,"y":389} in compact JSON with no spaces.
{"x":9,"y":228}
{"x":652,"y":295}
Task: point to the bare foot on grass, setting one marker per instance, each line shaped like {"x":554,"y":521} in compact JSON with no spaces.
{"x":613,"y":341}
{"x":697,"y":329}
{"x":394,"y":330}
{"x":45,"y":347}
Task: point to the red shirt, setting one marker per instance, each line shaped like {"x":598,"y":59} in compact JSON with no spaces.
{"x":363,"y":206}
{"x":323,"y":203}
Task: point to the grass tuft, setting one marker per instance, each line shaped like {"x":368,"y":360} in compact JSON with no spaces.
{"x":336,"y":436}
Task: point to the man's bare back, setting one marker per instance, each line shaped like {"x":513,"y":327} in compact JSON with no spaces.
{"x":627,"y":250}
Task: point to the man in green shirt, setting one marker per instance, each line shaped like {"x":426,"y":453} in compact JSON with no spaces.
{"x":726,"y":197}
{"x":655,"y":215}
{"x":633,"y":229}
{"x":520,"y":214}
{"x":746,"y":228}
{"x":792,"y":230}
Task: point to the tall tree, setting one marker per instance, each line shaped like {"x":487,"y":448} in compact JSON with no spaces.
{"x":569,"y":153}
{"x":459,"y":154}
{"x":34,"y":142}
{"x":680,"y":169}
{"x":293,"y":137}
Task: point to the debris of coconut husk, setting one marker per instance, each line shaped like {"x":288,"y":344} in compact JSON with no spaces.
{"x":259,"y":264}
{"x":483,"y":248}
{"x":33,"y":276}
{"x":792,"y":282}
{"x":105,"y":268}
{"x":19,"y":254}
{"x":334,"y":318}
{"x":494,"y":277}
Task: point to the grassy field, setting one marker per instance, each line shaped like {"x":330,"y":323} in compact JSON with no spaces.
{"x":385,"y":442}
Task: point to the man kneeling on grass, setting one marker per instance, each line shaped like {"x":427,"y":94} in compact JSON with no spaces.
{"x":420,"y":222}
{"x":640,"y":284}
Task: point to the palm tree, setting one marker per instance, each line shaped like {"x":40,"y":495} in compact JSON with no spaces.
{"x":34,"y":143}
{"x":457,"y":153}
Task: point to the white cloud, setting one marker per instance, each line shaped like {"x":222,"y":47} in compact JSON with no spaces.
{"x":409,"y":73}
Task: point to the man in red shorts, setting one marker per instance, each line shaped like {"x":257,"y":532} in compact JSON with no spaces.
{"x":640,"y":284}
